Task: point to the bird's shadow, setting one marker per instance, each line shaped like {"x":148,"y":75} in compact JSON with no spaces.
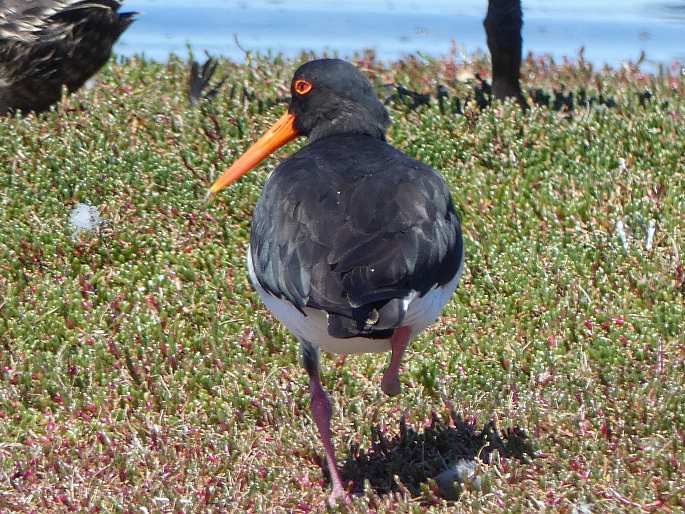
{"x":408,"y":460}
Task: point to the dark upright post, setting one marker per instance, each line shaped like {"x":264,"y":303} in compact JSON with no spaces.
{"x":503,"y":24}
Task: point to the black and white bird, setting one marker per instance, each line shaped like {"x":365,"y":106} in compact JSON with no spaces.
{"x":355,"y":247}
{"x":48,"y":44}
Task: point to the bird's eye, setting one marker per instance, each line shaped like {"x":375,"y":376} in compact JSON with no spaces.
{"x":302,"y":87}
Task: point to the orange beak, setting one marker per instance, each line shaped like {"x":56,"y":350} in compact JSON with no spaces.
{"x":280,"y":133}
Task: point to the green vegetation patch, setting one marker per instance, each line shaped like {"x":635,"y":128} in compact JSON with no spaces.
{"x":138,"y":370}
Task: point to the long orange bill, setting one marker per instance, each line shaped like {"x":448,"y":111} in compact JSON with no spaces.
{"x":279,"y":134}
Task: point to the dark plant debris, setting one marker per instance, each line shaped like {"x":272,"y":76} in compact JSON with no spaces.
{"x":199,"y":81}
{"x":559,"y":100}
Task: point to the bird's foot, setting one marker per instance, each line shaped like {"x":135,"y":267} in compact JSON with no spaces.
{"x":338,"y":495}
{"x":340,"y":361}
{"x":391,"y":385}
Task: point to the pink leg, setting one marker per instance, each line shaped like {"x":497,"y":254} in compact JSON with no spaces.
{"x":321,"y":412}
{"x":390,"y":384}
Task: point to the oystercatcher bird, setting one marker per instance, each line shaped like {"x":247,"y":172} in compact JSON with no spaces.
{"x":355,"y":247}
{"x":48,"y":44}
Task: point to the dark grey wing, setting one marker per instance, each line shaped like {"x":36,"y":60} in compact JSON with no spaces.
{"x":352,"y":226}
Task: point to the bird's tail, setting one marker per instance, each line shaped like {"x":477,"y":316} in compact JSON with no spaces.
{"x":374,"y":320}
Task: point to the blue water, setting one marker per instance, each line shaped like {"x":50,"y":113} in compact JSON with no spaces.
{"x":395,"y":28}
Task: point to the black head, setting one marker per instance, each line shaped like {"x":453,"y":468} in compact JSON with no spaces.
{"x":331,"y":96}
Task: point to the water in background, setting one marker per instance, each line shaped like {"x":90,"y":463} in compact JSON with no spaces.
{"x":395,"y":28}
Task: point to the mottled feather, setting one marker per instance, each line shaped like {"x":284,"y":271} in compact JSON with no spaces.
{"x":48,"y":44}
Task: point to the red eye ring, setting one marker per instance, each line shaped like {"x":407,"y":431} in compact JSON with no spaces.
{"x":302,"y":87}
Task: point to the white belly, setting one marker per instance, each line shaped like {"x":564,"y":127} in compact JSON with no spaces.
{"x":421,"y":312}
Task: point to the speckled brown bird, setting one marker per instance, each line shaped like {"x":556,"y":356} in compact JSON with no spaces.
{"x":48,"y":44}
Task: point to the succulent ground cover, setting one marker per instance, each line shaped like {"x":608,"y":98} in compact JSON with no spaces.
{"x":140,"y":373}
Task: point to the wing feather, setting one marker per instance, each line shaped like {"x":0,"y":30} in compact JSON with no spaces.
{"x":354,"y":234}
